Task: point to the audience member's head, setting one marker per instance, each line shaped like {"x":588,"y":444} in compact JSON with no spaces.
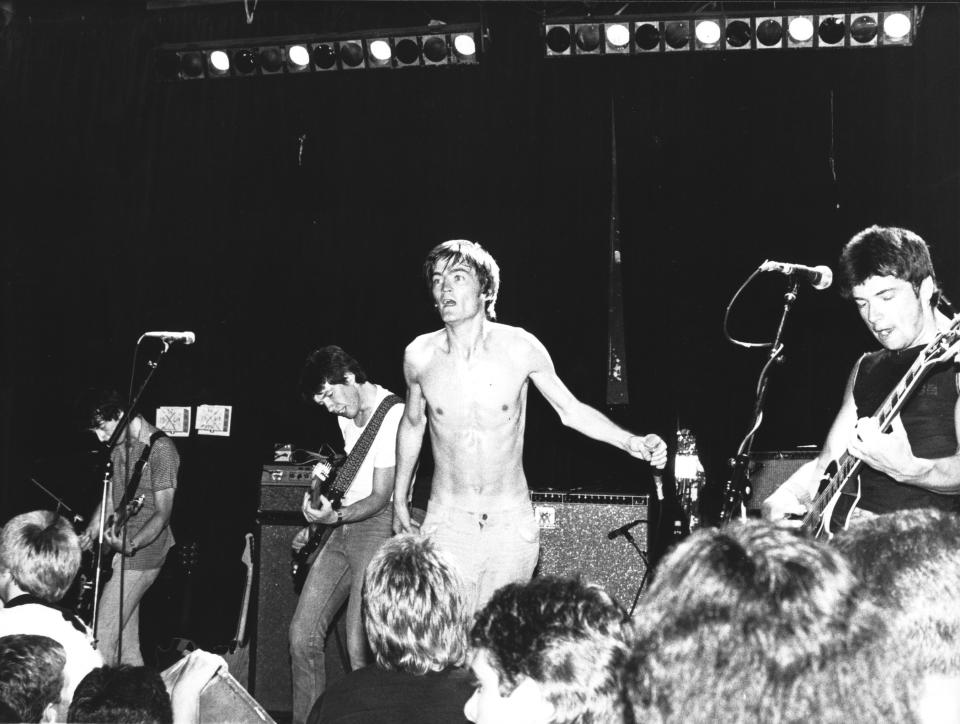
{"x":550,"y":650}
{"x":413,"y":606}
{"x":909,"y":563}
{"x":31,"y":678}
{"x":121,"y":694}
{"x":753,"y":623}
{"x":39,"y":555}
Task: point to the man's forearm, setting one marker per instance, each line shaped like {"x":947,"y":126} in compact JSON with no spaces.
{"x":409,"y":442}
{"x":150,"y":531}
{"x":594,"y":424}
{"x":365,"y":508}
{"x":940,"y":475}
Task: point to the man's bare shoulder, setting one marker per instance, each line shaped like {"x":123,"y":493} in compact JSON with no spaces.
{"x":518,"y":341}
{"x":422,"y":348}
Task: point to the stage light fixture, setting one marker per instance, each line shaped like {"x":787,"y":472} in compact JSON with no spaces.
{"x":616,"y":38}
{"x":586,"y":38}
{"x":298,"y":58}
{"x":676,"y":35}
{"x":622,"y":35}
{"x":351,"y":54}
{"x":739,"y":33}
{"x":379,"y":53}
{"x":831,"y":31}
{"x":557,"y":38}
{"x":863,"y":29}
{"x":324,"y":56}
{"x":271,"y":60}
{"x":406,"y":50}
{"x":707,"y":34}
{"x":769,"y":32}
{"x":245,"y":61}
{"x":800,"y":31}
{"x":435,"y":50}
{"x":465,"y":47}
{"x":647,"y":37}
{"x":898,"y":28}
{"x":192,"y":64}
{"x":218,"y":63}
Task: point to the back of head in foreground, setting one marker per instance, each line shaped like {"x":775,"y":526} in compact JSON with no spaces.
{"x":550,"y":650}
{"x":753,"y":623}
{"x":31,"y":678}
{"x":39,"y":555}
{"x":414,"y":611}
{"x":909,"y":563}
{"x":123,"y":695}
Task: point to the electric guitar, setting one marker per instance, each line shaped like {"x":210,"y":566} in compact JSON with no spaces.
{"x":90,"y":561}
{"x":323,"y":484}
{"x":830,"y":511}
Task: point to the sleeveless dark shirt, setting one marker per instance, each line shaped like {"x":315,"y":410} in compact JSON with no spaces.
{"x":928,"y":418}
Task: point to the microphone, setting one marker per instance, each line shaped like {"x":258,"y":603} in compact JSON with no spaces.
{"x":623,"y":529}
{"x":820,"y":277}
{"x":168,"y":337}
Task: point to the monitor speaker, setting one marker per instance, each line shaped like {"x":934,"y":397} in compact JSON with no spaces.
{"x":583,"y":534}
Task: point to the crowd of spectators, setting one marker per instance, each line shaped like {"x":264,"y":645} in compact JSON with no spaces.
{"x":746,"y":623}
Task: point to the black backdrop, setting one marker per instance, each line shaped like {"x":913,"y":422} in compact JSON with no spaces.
{"x":272,"y":215}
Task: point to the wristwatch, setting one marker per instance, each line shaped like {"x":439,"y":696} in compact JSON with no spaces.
{"x":339,"y":517}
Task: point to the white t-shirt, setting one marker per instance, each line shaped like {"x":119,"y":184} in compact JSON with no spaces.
{"x":382,"y":453}
{"x":37,"y":619}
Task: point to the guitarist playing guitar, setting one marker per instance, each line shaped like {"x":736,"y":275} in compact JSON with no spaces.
{"x":144,"y":462}
{"x":897,"y":428}
{"x":368,"y":416}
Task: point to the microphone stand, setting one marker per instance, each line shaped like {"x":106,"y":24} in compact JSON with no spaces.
{"x":120,"y":429}
{"x":737,"y":491}
{"x":646,"y":567}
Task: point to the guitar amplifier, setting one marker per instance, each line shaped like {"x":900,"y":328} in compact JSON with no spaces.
{"x":769,"y":470}
{"x":574,"y":538}
{"x":282,"y":486}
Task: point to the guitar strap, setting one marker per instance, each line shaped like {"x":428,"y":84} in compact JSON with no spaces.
{"x":348,"y":471}
{"x":138,"y":470}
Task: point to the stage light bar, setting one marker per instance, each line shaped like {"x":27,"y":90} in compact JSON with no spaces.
{"x":636,"y":35}
{"x":404,"y":48}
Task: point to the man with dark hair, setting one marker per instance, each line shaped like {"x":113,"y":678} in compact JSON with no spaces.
{"x":121,"y":694}
{"x":416,"y":624}
{"x":39,"y":557}
{"x":31,"y":677}
{"x":146,"y":461}
{"x":470,"y":381}
{"x":548,"y":651}
{"x":334,"y":380}
{"x":888,"y":273}
{"x":752,"y":623}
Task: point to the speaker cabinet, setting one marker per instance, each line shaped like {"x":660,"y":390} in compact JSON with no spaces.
{"x":581,"y":533}
{"x":768,"y":471}
{"x":275,"y":603}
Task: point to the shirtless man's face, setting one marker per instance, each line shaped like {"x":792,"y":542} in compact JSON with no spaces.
{"x":456,"y":292}
{"x":342,"y":399}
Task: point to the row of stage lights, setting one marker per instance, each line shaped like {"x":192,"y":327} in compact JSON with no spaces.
{"x":271,"y":56}
{"x":633,"y":36}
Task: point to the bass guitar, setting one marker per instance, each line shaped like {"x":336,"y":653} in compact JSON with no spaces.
{"x":830,"y":511}
{"x":323,"y":483}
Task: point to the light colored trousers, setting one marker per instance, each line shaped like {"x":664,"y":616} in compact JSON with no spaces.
{"x":135,"y":584}
{"x":490,"y":547}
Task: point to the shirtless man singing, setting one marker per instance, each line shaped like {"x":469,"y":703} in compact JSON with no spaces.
{"x":470,"y":381}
